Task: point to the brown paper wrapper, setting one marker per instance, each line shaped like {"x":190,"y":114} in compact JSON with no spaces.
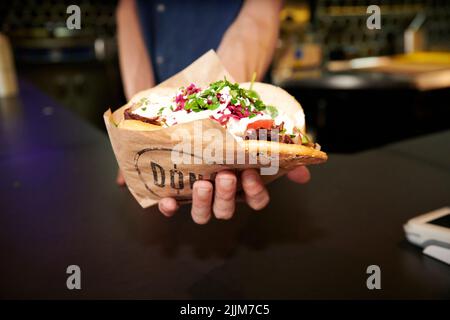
{"x":145,"y":157}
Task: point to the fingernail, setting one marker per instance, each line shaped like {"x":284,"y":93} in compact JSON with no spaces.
{"x":251,"y":178}
{"x":226,"y":183}
{"x":203,"y":192}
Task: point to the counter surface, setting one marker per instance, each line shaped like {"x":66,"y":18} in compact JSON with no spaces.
{"x":59,"y":206}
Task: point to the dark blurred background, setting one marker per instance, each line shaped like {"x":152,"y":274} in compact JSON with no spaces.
{"x":79,"y":68}
{"x":360,"y":88}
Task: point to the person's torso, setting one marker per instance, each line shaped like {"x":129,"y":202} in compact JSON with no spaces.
{"x":177,"y":32}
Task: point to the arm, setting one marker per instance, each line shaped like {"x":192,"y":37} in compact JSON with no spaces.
{"x":134,"y":61}
{"x":249,"y":43}
{"x":135,"y":67}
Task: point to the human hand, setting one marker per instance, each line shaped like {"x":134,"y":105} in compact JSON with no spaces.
{"x":221,"y":201}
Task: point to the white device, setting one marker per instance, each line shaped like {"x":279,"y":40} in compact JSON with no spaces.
{"x":431,"y":231}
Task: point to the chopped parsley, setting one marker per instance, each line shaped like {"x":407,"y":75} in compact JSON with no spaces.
{"x":143,"y":101}
{"x":305,"y":139}
{"x":243,"y":102}
{"x":272,"y":111}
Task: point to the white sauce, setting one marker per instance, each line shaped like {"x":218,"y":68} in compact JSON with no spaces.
{"x":236,"y":127}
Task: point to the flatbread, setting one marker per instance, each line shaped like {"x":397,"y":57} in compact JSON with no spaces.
{"x":291,"y":155}
{"x":147,"y":154}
